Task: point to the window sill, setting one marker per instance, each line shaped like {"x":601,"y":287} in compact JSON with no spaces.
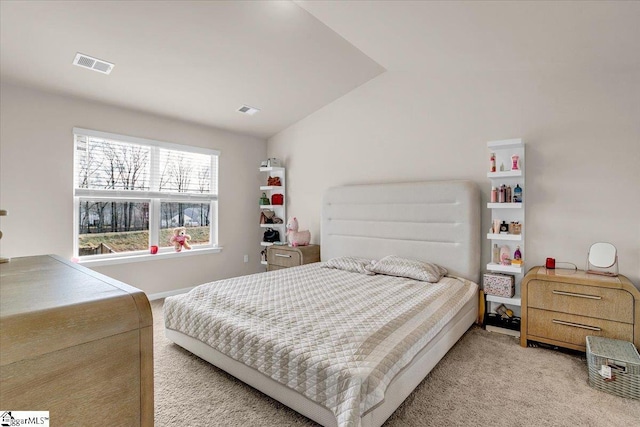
{"x":147,"y":257}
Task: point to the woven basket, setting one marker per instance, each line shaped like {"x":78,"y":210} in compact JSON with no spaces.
{"x":624,"y":361}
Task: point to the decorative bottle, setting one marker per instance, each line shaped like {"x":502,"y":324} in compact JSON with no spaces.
{"x":517,"y":254}
{"x":492,"y":163}
{"x":514,"y":162}
{"x":504,"y":255}
{"x":517,"y":194}
{"x":494,"y":195}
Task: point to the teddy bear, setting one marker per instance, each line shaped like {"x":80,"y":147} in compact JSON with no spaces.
{"x":180,"y":238}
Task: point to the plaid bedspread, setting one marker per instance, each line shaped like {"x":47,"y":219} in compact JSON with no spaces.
{"x":337,"y":337}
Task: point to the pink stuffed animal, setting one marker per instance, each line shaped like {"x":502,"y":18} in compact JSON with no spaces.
{"x":180,"y":238}
{"x":297,"y":238}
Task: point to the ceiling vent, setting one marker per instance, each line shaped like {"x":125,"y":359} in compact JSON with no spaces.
{"x":86,"y":61}
{"x":245,"y":109}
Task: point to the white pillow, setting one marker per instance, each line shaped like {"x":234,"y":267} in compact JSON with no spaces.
{"x":393,"y":265}
{"x":352,"y":264}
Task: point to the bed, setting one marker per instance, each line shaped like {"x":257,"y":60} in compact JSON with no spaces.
{"x":332,"y":340}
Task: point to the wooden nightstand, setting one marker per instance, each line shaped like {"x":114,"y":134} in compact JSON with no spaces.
{"x":561,"y":307}
{"x":287,"y":256}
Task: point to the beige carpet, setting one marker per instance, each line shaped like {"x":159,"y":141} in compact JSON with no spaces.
{"x":487,"y":379}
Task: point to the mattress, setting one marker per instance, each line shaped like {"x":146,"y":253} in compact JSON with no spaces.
{"x":336,"y":337}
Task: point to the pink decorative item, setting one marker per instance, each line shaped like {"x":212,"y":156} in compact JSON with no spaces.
{"x":180,"y":239}
{"x":514,"y":162}
{"x":505,"y":255}
{"x":295,"y":237}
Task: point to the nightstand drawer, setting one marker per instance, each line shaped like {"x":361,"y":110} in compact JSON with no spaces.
{"x":572,"y":329}
{"x":592,"y":301}
{"x":283,"y":257}
{"x":287,"y":256}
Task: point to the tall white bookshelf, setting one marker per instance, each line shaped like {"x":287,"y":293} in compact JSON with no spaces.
{"x":280,"y":210}
{"x":509,"y":212}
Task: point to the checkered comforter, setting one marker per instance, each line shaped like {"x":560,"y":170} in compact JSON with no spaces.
{"x":337,"y":337}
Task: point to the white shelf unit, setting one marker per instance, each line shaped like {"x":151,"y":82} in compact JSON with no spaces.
{"x":504,"y":205}
{"x":280,"y":210}
{"x":515,"y":237}
{"x":508,"y":212}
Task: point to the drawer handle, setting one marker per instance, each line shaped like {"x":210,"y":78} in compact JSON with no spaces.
{"x":576,"y":325}
{"x":571,"y":294}
{"x":283,"y":256}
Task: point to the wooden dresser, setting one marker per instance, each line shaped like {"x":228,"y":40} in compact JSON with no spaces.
{"x":75,"y":343}
{"x":561,"y":307}
{"x":286,"y":256}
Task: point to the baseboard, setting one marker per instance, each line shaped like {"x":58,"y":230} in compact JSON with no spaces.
{"x":161,"y":295}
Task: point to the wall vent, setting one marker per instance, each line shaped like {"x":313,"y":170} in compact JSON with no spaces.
{"x":95,"y":64}
{"x":245,"y":109}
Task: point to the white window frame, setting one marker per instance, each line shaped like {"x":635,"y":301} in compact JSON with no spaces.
{"x":154,"y":198}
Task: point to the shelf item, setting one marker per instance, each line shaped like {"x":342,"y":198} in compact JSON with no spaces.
{"x":562,"y":307}
{"x":507,"y":171}
{"x":499,"y":284}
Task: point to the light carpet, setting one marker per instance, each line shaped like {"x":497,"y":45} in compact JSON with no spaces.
{"x":486,"y":379}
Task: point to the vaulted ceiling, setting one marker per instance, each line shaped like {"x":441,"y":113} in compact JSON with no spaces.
{"x":201,"y":60}
{"x":194,"y":60}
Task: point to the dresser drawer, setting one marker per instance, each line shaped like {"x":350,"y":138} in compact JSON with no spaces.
{"x":283,"y":257}
{"x":572,"y":329}
{"x":591,"y":301}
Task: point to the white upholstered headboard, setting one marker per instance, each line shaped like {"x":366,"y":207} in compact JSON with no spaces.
{"x":436,"y":221}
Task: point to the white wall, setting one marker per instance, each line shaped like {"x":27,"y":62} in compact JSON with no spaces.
{"x":582,"y":135}
{"x":36,"y":185}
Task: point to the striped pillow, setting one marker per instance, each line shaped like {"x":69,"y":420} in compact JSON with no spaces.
{"x":393,"y":265}
{"x":352,"y":264}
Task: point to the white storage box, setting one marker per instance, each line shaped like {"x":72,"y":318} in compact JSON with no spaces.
{"x":614,"y":366}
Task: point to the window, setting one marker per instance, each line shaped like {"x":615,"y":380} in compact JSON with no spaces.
{"x":130,"y":193}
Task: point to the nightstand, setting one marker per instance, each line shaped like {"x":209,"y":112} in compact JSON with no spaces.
{"x":287,"y":256}
{"x":561,"y":307}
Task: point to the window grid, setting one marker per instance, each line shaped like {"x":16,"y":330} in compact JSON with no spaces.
{"x":122,"y":169}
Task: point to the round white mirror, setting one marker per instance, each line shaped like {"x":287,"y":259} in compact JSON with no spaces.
{"x":602,"y":255}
